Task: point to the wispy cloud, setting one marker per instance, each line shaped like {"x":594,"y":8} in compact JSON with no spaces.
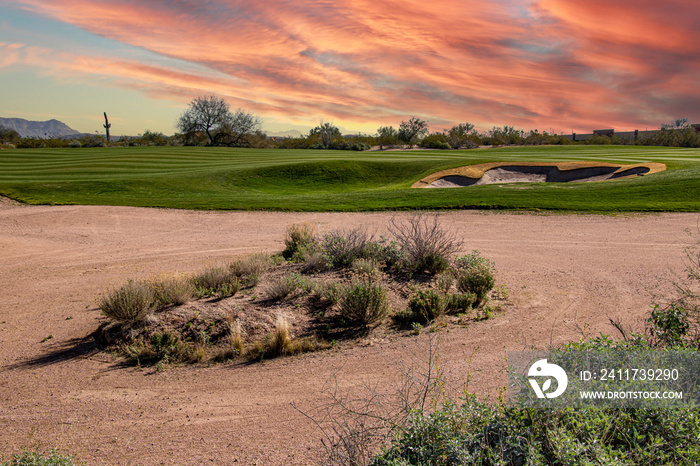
{"x":545,"y":63}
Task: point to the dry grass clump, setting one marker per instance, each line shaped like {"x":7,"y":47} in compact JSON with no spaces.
{"x":174,"y":290}
{"x":281,"y":342}
{"x":217,"y":280}
{"x":251,"y":268}
{"x":286,"y":286}
{"x":130,"y":303}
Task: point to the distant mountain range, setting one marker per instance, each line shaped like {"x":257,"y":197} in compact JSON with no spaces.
{"x":39,"y":129}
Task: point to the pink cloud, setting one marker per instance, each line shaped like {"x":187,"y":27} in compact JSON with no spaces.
{"x":552,"y":63}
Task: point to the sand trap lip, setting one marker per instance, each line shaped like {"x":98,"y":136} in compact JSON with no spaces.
{"x":529,"y":172}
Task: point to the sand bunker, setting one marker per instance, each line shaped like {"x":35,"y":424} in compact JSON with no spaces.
{"x":534,"y":172}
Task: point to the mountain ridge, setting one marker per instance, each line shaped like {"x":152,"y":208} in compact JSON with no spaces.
{"x":39,"y":129}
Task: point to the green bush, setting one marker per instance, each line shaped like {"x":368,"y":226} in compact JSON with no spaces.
{"x":130,"y":303}
{"x":364,"y":303}
{"x":668,"y":326}
{"x":475,"y":274}
{"x":477,"y":433}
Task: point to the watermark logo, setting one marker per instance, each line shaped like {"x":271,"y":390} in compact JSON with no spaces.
{"x":542,"y":368}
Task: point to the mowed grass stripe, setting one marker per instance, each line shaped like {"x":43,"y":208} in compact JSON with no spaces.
{"x":298,"y":180}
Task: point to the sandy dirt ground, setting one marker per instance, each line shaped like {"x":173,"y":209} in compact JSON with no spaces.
{"x":565,"y":273}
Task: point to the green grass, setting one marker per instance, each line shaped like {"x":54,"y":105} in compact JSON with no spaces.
{"x":313,"y":180}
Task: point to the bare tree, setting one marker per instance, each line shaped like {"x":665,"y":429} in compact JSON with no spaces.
{"x":236,"y":128}
{"x":206,"y":113}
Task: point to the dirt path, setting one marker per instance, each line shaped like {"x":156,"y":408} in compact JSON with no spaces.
{"x":564,"y":273}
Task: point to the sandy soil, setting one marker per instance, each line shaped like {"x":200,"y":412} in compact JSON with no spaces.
{"x":564,"y":274}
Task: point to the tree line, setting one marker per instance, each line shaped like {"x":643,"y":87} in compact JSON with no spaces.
{"x":209,"y":121}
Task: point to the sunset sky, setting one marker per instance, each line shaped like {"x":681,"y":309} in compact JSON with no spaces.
{"x":562,"y":65}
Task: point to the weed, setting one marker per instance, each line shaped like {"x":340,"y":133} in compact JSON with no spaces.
{"x":443,"y":282}
{"x":316,"y":261}
{"x":250,"y":269}
{"x":366,"y":268}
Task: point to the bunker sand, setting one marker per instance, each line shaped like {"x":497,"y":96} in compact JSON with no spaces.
{"x":56,"y":389}
{"x":559,"y":172}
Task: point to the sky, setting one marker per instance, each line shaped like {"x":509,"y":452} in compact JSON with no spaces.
{"x":553,"y":65}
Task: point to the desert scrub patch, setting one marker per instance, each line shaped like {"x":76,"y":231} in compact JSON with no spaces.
{"x":337,"y":304}
{"x":130,"y":303}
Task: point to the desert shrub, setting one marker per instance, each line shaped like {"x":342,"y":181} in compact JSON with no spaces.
{"x":315,"y":261}
{"x":443,"y":282}
{"x":426,"y":244}
{"x":287,"y":285}
{"x":426,"y":305}
{"x":386,"y":252}
{"x":668,"y":325}
{"x":331,"y":291}
{"x":218,"y":281}
{"x":299,"y":240}
{"x":366,"y":268}
{"x":173,"y":291}
{"x":250,"y":269}
{"x":475,"y":274}
{"x":39,"y":458}
{"x":461,"y":302}
{"x":364,"y":303}
{"x":130,"y":303}
{"x":343,"y":247}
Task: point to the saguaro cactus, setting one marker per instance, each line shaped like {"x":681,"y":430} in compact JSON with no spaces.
{"x":107,"y":125}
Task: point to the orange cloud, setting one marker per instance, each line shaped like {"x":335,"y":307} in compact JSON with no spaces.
{"x":546,"y":63}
